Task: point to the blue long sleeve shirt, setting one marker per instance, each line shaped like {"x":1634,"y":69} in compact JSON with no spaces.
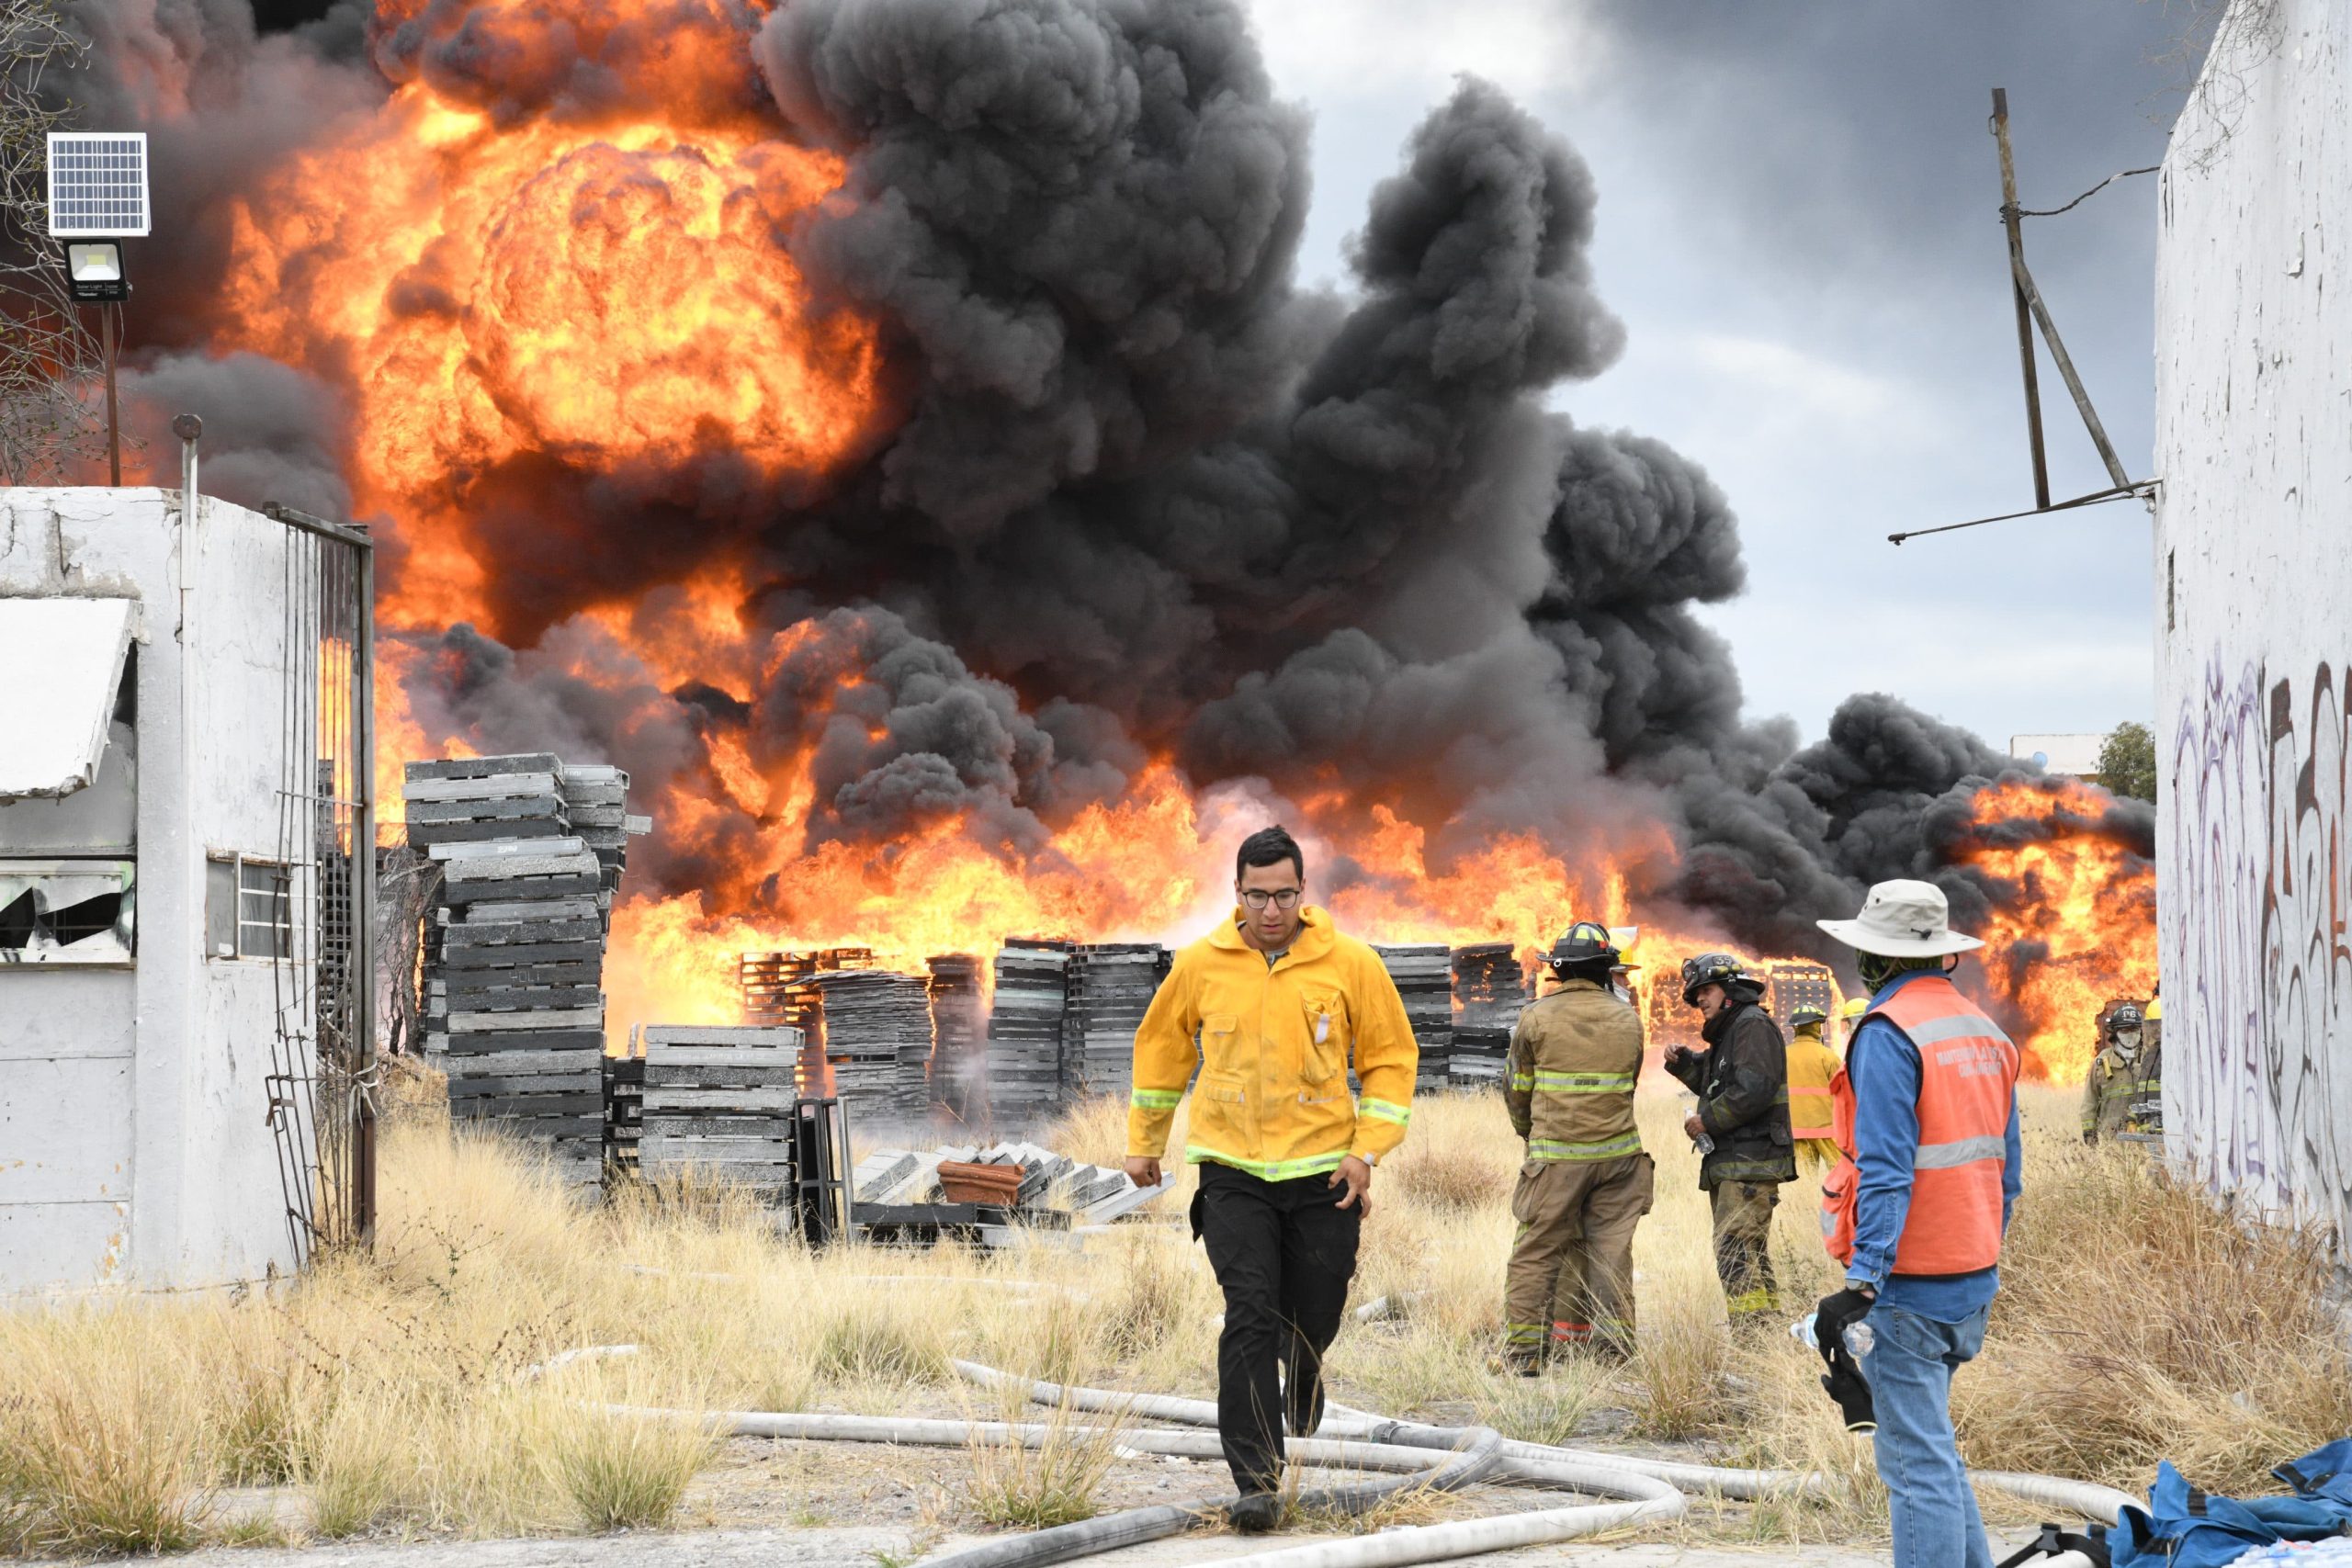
{"x":1884,"y":1068}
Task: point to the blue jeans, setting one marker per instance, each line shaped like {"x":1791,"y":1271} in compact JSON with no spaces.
{"x":1909,"y":1367}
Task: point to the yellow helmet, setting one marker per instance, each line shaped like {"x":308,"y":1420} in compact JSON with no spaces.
{"x":1855,"y":1007}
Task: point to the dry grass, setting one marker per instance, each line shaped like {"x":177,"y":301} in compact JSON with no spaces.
{"x":1056,"y":1483}
{"x":2137,"y":1321}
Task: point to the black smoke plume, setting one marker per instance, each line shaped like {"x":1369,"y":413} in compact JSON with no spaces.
{"x":1142,"y":495}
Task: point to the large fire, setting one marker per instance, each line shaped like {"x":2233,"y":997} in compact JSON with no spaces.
{"x":2082,"y":933}
{"x":513,"y":278}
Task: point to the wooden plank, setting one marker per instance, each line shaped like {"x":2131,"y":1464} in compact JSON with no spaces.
{"x":495,"y":787}
{"x":550,"y":1018}
{"x":666,"y":1097}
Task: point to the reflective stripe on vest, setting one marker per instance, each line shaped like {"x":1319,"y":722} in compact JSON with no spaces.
{"x":1968,"y":1073}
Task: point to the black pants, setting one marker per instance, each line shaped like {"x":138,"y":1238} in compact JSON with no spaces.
{"x":1284,"y":1253}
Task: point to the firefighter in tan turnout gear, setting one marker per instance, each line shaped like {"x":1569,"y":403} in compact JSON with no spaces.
{"x":1586,"y":1183}
{"x":2123,"y":1092}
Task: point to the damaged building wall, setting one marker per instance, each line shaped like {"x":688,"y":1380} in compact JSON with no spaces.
{"x":134,"y":1144}
{"x":2254,"y":450}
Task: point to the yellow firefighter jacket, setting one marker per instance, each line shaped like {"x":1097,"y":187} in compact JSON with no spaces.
{"x":1274,"y":1045}
{"x":1574,"y":1057}
{"x":1812,"y":1063}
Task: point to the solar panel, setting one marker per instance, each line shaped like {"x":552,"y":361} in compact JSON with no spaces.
{"x":98,"y":183}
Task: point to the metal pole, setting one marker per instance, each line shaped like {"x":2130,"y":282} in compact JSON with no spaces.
{"x":2066,"y":370}
{"x":363,"y":881}
{"x":114,"y":420}
{"x":2025,"y":319}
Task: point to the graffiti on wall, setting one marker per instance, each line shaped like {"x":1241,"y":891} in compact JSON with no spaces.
{"x":2258,"y":1004}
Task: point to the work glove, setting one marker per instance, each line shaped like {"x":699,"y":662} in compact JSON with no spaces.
{"x":1830,"y":1318}
{"x":1851,"y":1391}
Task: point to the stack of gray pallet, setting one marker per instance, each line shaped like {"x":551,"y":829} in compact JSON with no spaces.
{"x":1109,"y":985}
{"x":875,"y":1025}
{"x":1025,"y":1032}
{"x":596,"y":801}
{"x":514,"y":952}
{"x":1423,"y":972}
{"x":1089,"y":1194}
{"x":718,"y":1103}
{"x":1489,"y":990}
{"x":959,"y":1035}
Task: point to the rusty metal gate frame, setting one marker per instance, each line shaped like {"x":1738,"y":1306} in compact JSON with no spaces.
{"x":322,"y":1050}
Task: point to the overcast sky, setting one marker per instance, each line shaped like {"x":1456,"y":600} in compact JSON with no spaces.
{"x":1799,"y":224}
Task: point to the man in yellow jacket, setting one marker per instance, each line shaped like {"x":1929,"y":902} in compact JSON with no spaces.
{"x":1812,"y":1063}
{"x":1280,"y":1003}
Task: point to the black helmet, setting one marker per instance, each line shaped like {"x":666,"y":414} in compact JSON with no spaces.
{"x":1583,"y":942}
{"x":1801,"y":1016}
{"x":2123,"y":1018}
{"x":1718,"y":969}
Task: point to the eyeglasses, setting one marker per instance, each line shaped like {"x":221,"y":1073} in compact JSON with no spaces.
{"x":1284,"y":898}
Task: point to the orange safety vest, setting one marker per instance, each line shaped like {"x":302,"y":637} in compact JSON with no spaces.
{"x":1968,"y":1074}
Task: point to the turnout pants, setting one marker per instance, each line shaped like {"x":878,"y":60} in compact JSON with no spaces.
{"x":1571,"y":1278}
{"x":1743,"y":1225}
{"x":1284,"y":1253}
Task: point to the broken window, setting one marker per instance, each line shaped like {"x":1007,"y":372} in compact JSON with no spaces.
{"x":248,"y":909}
{"x":66,"y":911}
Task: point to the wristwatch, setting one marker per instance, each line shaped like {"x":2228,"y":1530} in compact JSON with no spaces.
{"x":1864,"y":1286}
{"x":1372,"y":1162}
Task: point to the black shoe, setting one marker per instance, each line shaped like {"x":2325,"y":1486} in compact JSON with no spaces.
{"x":1256,"y":1512}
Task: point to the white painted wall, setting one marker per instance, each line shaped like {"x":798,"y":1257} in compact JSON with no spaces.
{"x":2254,"y":612}
{"x":133,"y":1143}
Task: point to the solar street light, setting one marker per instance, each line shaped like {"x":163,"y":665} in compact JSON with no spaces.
{"x":94,"y":272}
{"x":97,"y":196}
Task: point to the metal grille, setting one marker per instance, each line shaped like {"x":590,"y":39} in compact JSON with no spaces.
{"x":322,"y":1082}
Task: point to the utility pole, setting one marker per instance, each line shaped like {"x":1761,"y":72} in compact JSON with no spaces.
{"x":2017,"y":289}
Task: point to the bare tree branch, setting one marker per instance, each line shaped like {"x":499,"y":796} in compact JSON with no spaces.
{"x":48,"y":360}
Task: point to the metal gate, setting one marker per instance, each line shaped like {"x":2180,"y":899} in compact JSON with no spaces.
{"x":323,"y":1065}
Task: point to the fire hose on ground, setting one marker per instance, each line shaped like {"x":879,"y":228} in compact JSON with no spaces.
{"x":1413,"y":1455}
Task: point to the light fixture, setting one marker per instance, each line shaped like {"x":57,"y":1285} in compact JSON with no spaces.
{"x":94,"y":272}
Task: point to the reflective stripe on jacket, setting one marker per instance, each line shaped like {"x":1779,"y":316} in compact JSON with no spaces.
{"x":1968,"y":1074}
{"x":1274,"y":1047}
{"x":1575,"y":1056}
{"x":1812,"y":1066}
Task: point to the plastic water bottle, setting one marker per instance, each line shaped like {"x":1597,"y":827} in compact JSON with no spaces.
{"x":1859,"y":1337}
{"x":1706,"y":1145}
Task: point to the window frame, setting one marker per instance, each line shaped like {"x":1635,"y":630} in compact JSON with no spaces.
{"x":277,"y":888}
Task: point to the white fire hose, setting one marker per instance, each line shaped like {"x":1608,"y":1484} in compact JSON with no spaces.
{"x":1415,"y":1454}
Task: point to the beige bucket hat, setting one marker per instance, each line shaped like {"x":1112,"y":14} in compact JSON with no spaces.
{"x":1903,"y":920}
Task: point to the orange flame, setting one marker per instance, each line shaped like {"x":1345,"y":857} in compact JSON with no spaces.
{"x":2081,"y":930}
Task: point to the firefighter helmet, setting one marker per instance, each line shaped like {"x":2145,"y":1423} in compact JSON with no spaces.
{"x":1582,"y":943}
{"x":1719,"y":969}
{"x":1801,"y":1016}
{"x":2122,"y":1018}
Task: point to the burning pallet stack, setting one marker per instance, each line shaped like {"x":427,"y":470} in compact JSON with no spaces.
{"x":1026,"y":1031}
{"x":1109,"y":986}
{"x":515,"y":945}
{"x":778,"y":994}
{"x":1795,"y":985}
{"x":1489,"y":990}
{"x":874,"y":1026}
{"x":718,"y":1103}
{"x":1424,"y":975}
{"x":959,"y":1035}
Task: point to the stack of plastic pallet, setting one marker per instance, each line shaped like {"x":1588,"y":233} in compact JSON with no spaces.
{"x":596,"y":801}
{"x":1423,"y":972}
{"x":875,"y":1029}
{"x":719,"y":1104}
{"x":959,"y":1035}
{"x":1026,"y":1033}
{"x":1109,"y":986}
{"x":778,"y":991}
{"x":514,"y":955}
{"x":1489,"y":990}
